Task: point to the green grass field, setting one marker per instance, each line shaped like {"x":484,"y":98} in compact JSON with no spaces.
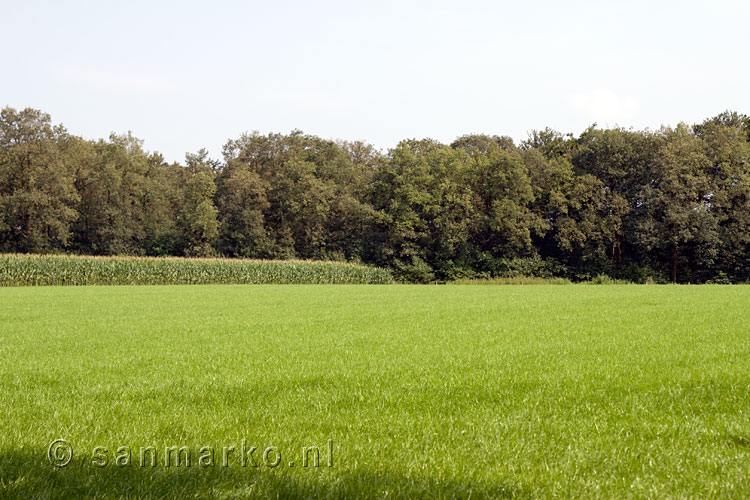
{"x":424,"y":391}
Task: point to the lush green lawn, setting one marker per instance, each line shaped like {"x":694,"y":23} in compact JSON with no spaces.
{"x":424,"y":391}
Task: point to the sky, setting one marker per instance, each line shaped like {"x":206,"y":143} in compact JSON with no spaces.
{"x":188,"y":75}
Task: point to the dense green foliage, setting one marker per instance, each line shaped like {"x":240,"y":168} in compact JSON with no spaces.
{"x":25,"y":270}
{"x":430,"y":392}
{"x":512,"y":280}
{"x":666,"y":205}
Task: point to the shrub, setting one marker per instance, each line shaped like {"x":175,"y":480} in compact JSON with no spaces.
{"x":603,"y":279}
{"x":418,"y":271}
{"x":721,"y":278}
{"x":518,"y":280}
{"x":521,"y":267}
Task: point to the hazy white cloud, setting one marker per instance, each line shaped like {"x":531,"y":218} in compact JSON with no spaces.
{"x":116,"y":80}
{"x":605,"y":105}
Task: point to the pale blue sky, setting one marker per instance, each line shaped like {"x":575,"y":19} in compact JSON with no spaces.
{"x":185,"y":75}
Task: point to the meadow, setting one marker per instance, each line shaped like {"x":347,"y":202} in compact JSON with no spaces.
{"x":566,"y":391}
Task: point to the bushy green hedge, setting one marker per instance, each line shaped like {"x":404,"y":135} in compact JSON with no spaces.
{"x":516,"y":280}
{"x":27,"y":270}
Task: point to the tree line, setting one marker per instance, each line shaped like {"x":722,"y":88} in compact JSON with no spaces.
{"x":665,"y":205}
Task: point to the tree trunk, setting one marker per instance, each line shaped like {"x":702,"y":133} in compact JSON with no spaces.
{"x":674,"y":264}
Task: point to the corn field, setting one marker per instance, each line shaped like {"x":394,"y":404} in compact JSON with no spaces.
{"x":38,"y":270}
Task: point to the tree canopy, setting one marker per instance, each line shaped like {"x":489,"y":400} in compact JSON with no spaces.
{"x":665,"y":205}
